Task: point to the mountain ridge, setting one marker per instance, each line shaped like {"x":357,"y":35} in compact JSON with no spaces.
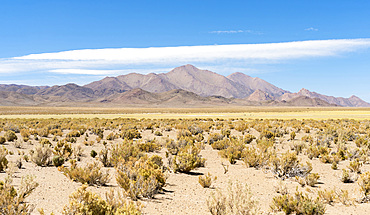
{"x":186,"y":85}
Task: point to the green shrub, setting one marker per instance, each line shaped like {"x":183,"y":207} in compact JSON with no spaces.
{"x":93,"y":153}
{"x":58,"y":160}
{"x":86,"y":202}
{"x":2,"y":140}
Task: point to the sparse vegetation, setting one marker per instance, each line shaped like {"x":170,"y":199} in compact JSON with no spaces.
{"x":91,"y":174}
{"x":238,"y":199}
{"x":145,"y":152}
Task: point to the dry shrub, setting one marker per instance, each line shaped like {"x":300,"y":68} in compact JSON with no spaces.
{"x":281,"y":188}
{"x":41,"y":156}
{"x":131,"y":134}
{"x":3,"y":160}
{"x":73,"y":134}
{"x":355,"y":166}
{"x":206,"y":180}
{"x":10,"y":136}
{"x":298,"y":204}
{"x":343,"y":197}
{"x":248,"y":138}
{"x":187,"y":159}
{"x":111,"y":136}
{"x":311,"y":179}
{"x":364,"y":183}
{"x":87,"y":202}
{"x":11,"y":200}
{"x":233,"y":150}
{"x":104,"y":157}
{"x":259,"y":157}
{"x":124,"y":151}
{"x":288,"y":166}
{"x":237,"y":200}
{"x":327,"y":196}
{"x":347,"y":177}
{"x":90,"y":174}
{"x":142,"y":178}
{"x":63,"y":149}
{"x":149,"y":146}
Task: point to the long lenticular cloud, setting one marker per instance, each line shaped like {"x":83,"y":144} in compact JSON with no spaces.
{"x":91,"y":61}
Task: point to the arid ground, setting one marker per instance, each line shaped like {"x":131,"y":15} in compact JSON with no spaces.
{"x":322,"y":137}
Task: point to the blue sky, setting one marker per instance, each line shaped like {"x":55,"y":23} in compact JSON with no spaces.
{"x":332,"y":55}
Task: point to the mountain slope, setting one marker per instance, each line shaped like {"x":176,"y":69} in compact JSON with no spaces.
{"x":23,"y":89}
{"x":205,"y":83}
{"x":67,"y":93}
{"x":256,"y":84}
{"x":11,"y":98}
{"x":259,"y":95}
{"x":172,"y":98}
{"x":346,"y":102}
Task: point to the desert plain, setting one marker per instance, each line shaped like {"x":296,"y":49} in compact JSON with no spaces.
{"x":237,"y":146}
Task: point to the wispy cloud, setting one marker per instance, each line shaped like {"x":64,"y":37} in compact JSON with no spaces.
{"x":226,"y":32}
{"x":144,"y":60}
{"x":235,"y":32}
{"x":311,"y":29}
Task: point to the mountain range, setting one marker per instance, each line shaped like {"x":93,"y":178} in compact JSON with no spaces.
{"x":183,"y":86}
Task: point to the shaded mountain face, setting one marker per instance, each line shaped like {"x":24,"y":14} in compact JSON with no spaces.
{"x":184,"y":85}
{"x":171,"y":98}
{"x":306,"y":102}
{"x":11,"y":98}
{"x":23,"y":89}
{"x":353,"y":101}
{"x":67,"y":93}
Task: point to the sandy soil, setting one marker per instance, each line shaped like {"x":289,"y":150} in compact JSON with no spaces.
{"x":182,"y":193}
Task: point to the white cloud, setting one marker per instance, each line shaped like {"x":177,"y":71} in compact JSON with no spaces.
{"x":121,"y":60}
{"x":235,"y":32}
{"x":227,"y":32}
{"x":311,"y":29}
